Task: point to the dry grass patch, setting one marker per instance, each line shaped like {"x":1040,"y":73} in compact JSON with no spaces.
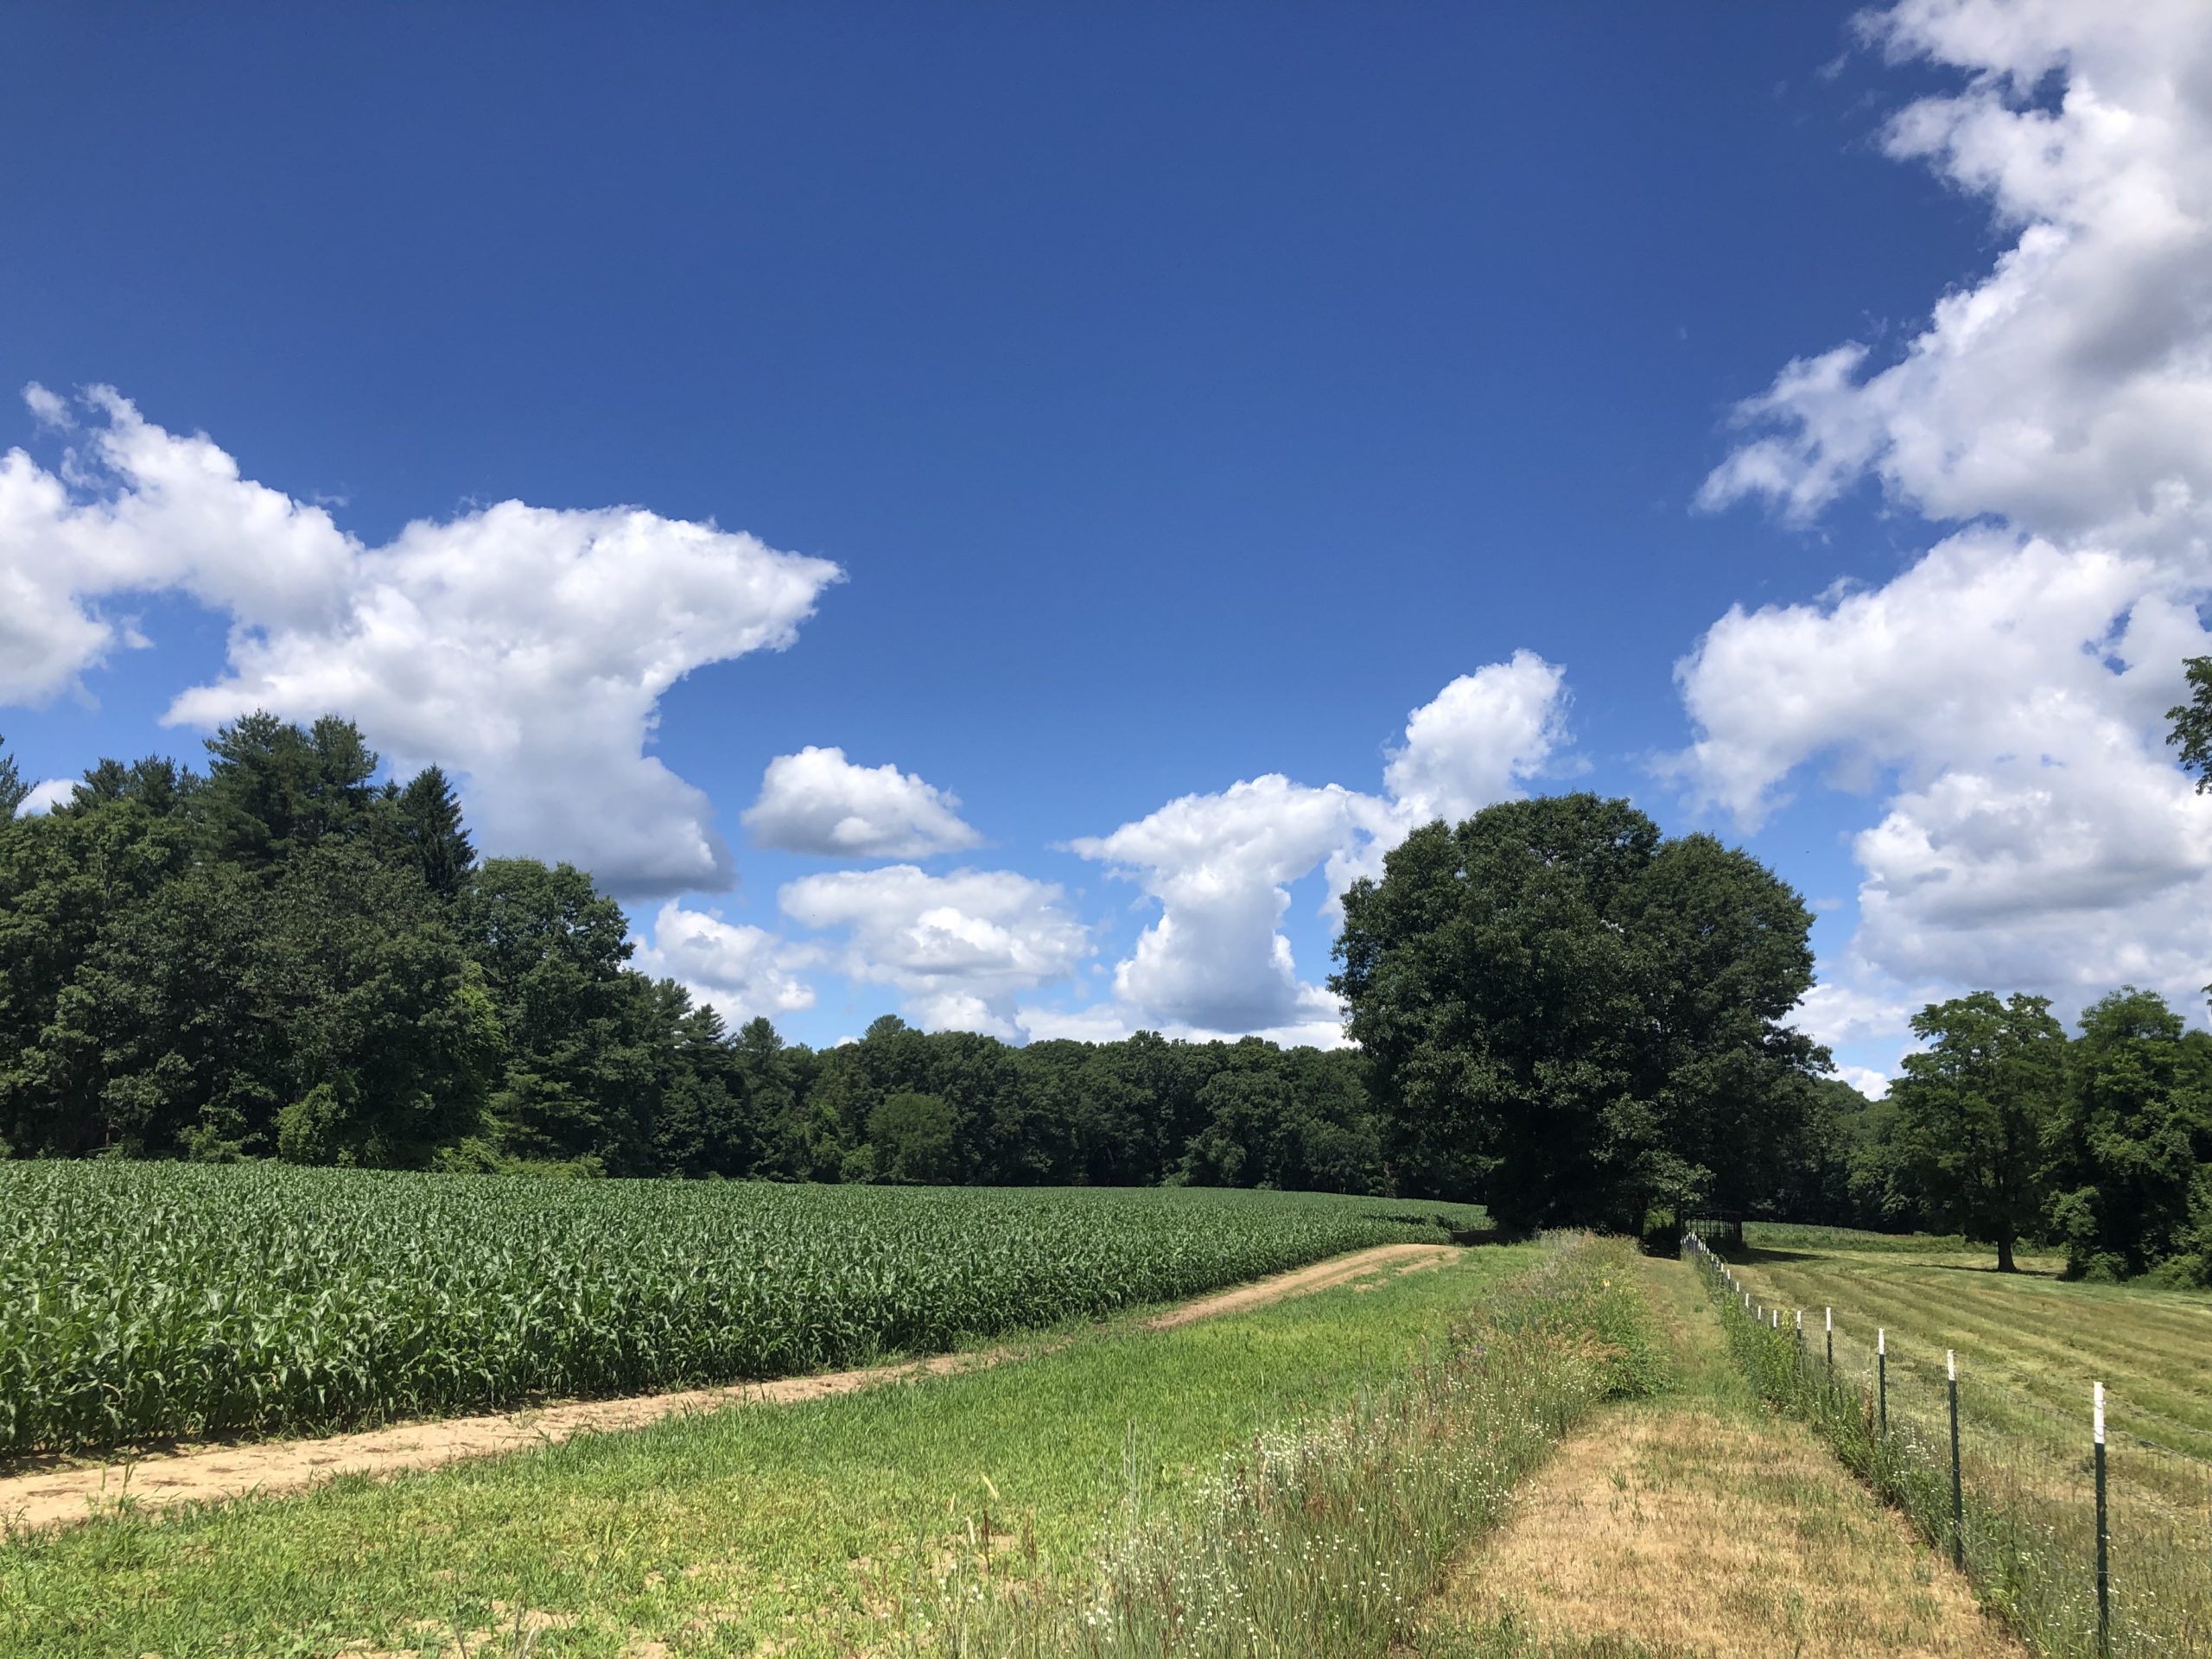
{"x":1693,"y":1530}
{"x":1701,"y":1524}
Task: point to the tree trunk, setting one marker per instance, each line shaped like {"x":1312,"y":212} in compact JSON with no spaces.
{"x":2004,"y":1256}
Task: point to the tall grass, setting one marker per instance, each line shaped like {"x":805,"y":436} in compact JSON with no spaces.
{"x":1325,"y":1540}
{"x":2026,"y":1536}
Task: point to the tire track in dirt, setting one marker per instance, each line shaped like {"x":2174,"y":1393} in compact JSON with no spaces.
{"x":59,"y":1496}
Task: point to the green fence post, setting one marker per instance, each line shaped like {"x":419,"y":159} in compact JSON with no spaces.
{"x":1830,"y":1317}
{"x":1882,"y":1373}
{"x":1958,"y":1492}
{"x":2104,"y":1532}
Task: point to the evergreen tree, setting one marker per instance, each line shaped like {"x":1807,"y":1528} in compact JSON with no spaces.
{"x":427,"y":813}
{"x":13,"y":789}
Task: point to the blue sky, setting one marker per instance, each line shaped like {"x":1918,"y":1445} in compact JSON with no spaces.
{"x":1185,"y":395}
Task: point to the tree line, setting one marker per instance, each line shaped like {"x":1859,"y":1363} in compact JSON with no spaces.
{"x":1557,"y":1011}
{"x":281,"y":956}
{"x":2010,"y":1131}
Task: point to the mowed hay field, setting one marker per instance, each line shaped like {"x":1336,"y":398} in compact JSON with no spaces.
{"x":2029,"y":1345}
{"x":143,"y":1302}
{"x":2028,"y":1340}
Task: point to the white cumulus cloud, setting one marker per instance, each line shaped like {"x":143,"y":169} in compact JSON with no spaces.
{"x":1833,"y":1013}
{"x":816,"y":801}
{"x":1215,"y":961}
{"x":2004,"y":696}
{"x":2068,"y":390}
{"x":525,"y":649}
{"x":742,"y":970}
{"x":958,"y":948}
{"x":1219,"y":865}
{"x":45,"y":796}
{"x":1479,"y":739}
{"x":1867,"y":1081}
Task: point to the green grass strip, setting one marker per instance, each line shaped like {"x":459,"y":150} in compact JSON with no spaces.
{"x":1326,"y":1539}
{"x":819,"y":1527}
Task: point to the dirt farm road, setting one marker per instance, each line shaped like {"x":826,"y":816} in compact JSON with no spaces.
{"x":59,"y":1496}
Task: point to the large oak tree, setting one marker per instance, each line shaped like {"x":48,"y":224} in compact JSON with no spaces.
{"x":1574,"y":1017}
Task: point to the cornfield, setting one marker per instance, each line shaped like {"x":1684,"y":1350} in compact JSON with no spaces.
{"x":143,"y":1302}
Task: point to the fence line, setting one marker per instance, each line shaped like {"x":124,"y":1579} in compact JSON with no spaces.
{"x":2092,"y":1544}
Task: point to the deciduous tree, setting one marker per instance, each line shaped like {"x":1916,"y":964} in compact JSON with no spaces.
{"x":1973,"y":1112}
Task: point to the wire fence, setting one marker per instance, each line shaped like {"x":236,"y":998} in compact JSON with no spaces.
{"x":2091,"y":1542}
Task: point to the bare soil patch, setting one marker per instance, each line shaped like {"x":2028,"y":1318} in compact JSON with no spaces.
{"x":1304,"y":1282}
{"x":61,"y":1495}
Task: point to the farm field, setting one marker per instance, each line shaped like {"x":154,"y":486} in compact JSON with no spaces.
{"x":2029,"y":1345}
{"x":822,"y":1526}
{"x":2026,"y":1342}
{"x":145,"y":1302}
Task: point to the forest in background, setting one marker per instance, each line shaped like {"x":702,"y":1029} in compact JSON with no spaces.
{"x":1559,"y":1012}
{"x":282,"y":956}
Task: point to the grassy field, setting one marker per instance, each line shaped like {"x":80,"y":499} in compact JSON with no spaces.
{"x":2027,"y":1342}
{"x":145,"y":1301}
{"x":819,"y":1526}
{"x":1797,"y":1235}
{"x":2028,"y":1346}
{"x":1696,"y":1522}
{"x":1325,"y":1539}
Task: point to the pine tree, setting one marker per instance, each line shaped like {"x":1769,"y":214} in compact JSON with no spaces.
{"x":13,"y":789}
{"x":430,"y":827}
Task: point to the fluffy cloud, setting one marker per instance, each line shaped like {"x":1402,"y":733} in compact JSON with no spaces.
{"x":525,"y":649}
{"x":1480,"y":738}
{"x":44,"y":797}
{"x":1219,"y":865}
{"x":2006,"y":693}
{"x":1868,"y":1082}
{"x":741,"y":970}
{"x":2070,"y":389}
{"x":1215,"y":961}
{"x":959,"y":948}
{"x":816,"y":801}
{"x":1833,"y":1013}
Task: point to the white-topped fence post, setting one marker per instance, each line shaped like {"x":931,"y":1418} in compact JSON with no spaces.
{"x":1958,"y":1490}
{"x":2104,"y":1531}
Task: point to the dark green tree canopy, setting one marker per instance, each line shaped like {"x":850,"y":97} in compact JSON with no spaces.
{"x":1974,"y":1109}
{"x":293,"y":955}
{"x":2132,"y":1138}
{"x":13,"y":789}
{"x":1571,"y":1017}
